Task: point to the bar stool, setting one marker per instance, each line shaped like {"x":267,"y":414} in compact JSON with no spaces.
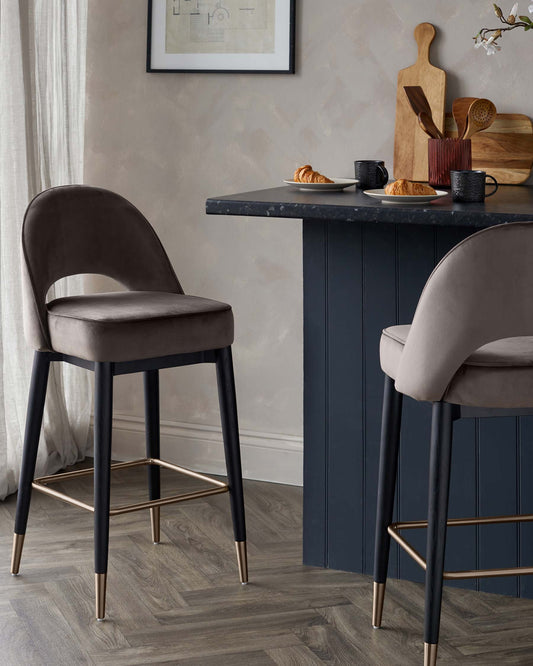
{"x":78,"y":229}
{"x":469,"y":351}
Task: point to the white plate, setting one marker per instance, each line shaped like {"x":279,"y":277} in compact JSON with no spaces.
{"x":337,"y":184}
{"x":404,"y":198}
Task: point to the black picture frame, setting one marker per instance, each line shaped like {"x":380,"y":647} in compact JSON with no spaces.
{"x":157,"y":61}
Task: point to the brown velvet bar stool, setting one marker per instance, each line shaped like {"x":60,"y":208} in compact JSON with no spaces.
{"x":78,"y":229}
{"x":469,"y":351}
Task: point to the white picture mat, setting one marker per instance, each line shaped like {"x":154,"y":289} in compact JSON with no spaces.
{"x":279,"y":60}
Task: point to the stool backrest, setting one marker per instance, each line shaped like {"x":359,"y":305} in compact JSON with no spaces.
{"x":481,"y":291}
{"x":78,"y":229}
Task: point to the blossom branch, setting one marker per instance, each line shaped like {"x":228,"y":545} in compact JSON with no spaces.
{"x":487,"y":37}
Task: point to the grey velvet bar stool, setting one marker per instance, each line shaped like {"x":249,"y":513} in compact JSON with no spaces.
{"x":468,"y":351}
{"x":76,"y":230}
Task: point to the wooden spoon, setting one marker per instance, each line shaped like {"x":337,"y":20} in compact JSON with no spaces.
{"x":426,"y":123}
{"x":460,"y":108}
{"x":481,"y":115}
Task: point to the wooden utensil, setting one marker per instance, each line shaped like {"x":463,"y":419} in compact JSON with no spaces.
{"x":429,"y":127}
{"x":420,"y":105}
{"x":417,"y":99}
{"x":410,"y":145}
{"x":460,"y":108}
{"x":423,"y":127}
{"x":481,"y":115}
{"x":504,"y":150}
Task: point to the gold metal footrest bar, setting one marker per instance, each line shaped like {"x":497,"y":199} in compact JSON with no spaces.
{"x":41,"y":484}
{"x":394,"y":529}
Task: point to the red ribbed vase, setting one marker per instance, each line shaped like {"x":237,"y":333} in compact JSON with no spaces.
{"x":445,"y":155}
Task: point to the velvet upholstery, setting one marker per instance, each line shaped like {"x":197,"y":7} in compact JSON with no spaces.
{"x":79,"y":229}
{"x":498,"y":374}
{"x":123,"y":326}
{"x":479,"y":293}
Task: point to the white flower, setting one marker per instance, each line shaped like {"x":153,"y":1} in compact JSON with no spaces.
{"x":514,"y":10}
{"x":488,"y":45}
{"x":530,"y":8}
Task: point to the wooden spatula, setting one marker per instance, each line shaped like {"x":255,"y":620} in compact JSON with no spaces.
{"x":420,"y":106}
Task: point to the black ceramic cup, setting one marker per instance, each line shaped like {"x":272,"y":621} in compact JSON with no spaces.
{"x":371,"y":174}
{"x":469,"y":186}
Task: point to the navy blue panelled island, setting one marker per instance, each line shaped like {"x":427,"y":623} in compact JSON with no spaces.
{"x":365,"y":264}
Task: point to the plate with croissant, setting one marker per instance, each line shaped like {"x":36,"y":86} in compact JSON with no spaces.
{"x":306,"y":178}
{"x":406,"y":192}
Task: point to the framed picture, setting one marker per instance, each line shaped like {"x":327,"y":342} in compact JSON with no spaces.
{"x":221,"y":36}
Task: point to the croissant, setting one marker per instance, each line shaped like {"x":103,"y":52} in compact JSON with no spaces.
{"x":403,"y":187}
{"x":305,"y":174}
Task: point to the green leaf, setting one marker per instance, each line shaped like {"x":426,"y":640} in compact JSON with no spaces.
{"x":528,"y":27}
{"x":525,"y":19}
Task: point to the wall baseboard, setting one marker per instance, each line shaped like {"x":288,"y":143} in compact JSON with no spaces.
{"x":265,"y":456}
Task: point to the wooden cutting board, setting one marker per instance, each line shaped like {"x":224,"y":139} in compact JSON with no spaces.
{"x":504,"y":150}
{"x":410,"y":142}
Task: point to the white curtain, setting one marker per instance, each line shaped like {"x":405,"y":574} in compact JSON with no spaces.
{"x":42,"y":103}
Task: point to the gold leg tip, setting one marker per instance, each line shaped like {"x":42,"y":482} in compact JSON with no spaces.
{"x":377,"y":604}
{"x":155,"y":520}
{"x":430,"y":654}
{"x":242,"y":560}
{"x":100,"y":583}
{"x":16,"y":554}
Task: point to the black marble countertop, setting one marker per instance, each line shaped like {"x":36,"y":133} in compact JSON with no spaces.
{"x":511,"y":203}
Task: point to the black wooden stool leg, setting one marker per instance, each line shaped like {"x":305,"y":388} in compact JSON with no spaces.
{"x":388,"y":467}
{"x":153,"y":446}
{"x":103,"y":413}
{"x":230,"y":432}
{"x":34,"y":417}
{"x":439,"y":485}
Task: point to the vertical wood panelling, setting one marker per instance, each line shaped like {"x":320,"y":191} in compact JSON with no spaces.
{"x":359,"y":278}
{"x":526,"y":501}
{"x":315,"y":391}
{"x":379,"y":311}
{"x":346,"y":396}
{"x":498,"y":545}
{"x":416,"y":258}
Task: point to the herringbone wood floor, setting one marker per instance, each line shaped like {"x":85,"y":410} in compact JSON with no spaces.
{"x":180,"y":602}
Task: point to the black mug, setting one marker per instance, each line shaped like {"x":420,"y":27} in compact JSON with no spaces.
{"x":469,"y":186}
{"x":371,"y":174}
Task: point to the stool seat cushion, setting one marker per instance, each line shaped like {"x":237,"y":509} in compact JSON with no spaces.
{"x":132,"y":325}
{"x":498,"y":374}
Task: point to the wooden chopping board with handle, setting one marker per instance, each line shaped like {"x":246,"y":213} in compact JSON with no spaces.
{"x":410,"y":142}
{"x":504,"y":150}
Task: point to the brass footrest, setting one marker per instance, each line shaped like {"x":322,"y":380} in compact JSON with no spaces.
{"x":41,"y":484}
{"x":394,"y":529}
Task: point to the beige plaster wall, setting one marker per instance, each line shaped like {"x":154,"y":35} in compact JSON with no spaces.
{"x":168,"y":141}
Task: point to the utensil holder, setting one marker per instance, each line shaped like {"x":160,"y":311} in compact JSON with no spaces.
{"x":445,"y":155}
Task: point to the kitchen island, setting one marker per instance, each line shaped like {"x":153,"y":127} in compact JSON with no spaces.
{"x":365,"y":264}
